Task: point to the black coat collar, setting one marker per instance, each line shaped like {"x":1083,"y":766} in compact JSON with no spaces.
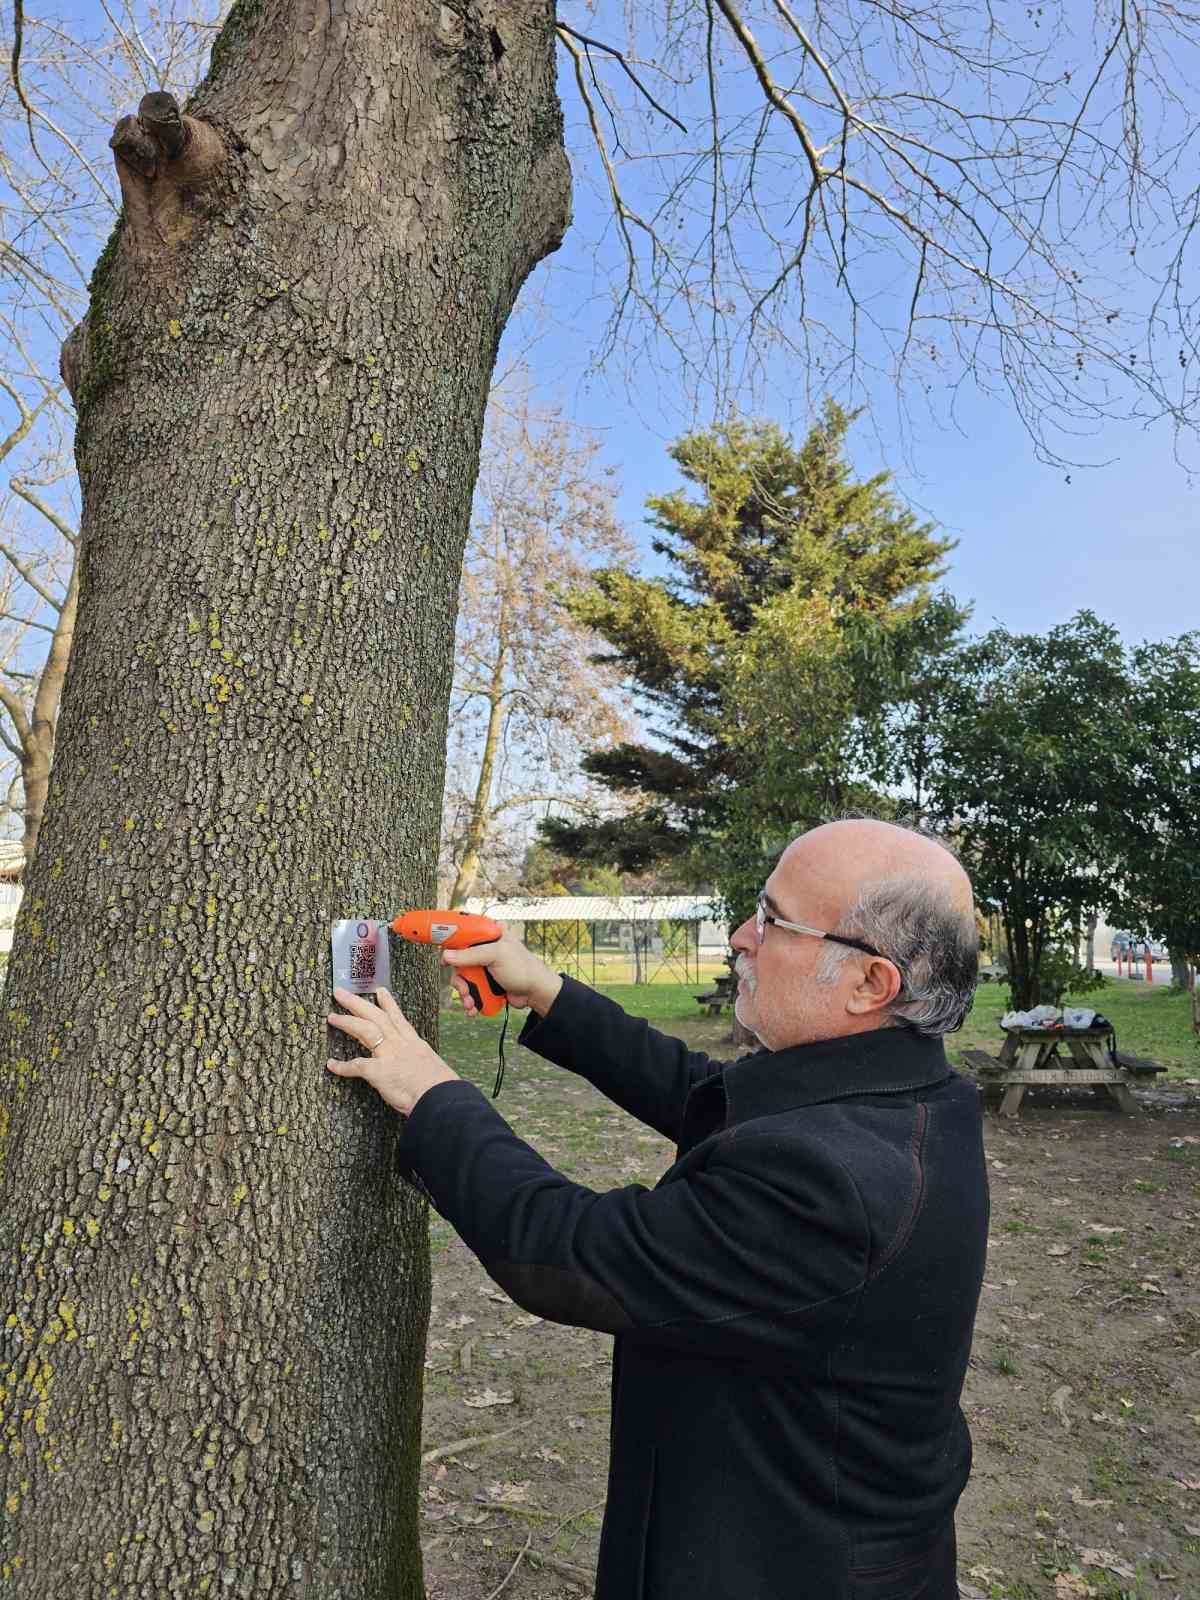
{"x":884,"y":1061}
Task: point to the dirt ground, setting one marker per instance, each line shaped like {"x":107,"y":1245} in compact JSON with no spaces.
{"x":1083,"y":1395}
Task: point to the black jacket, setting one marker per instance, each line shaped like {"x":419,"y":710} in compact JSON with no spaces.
{"x":792,"y":1303}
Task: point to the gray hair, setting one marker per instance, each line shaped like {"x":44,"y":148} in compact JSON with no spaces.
{"x":933,"y":942}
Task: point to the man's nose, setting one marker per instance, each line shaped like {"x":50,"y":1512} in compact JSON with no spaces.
{"x":745,"y":937}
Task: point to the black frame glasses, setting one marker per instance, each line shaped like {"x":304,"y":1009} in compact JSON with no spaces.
{"x":762,"y":916}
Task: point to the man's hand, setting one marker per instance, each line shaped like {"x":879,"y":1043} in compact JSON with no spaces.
{"x":526,"y":978}
{"x":401,"y":1066}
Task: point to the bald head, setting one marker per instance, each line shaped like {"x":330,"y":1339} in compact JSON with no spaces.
{"x":839,"y":859}
{"x":901,"y":945}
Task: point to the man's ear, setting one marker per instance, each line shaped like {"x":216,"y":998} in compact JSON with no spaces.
{"x":876,"y":989}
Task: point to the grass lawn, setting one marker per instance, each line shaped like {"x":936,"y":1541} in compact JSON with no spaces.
{"x":1148,"y":1019}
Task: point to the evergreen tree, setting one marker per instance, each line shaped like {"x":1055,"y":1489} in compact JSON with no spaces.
{"x":757,"y":657}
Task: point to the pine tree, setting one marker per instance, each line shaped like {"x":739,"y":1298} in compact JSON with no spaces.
{"x":793,"y":585}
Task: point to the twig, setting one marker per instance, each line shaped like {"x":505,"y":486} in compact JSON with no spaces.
{"x":476,"y":1441}
{"x":583,"y":38}
{"x":15,"y":71}
{"x":534,"y":1513}
{"x":31,"y":111}
{"x":567,"y":1568}
{"x":582,"y":1512}
{"x":504,"y":1581}
{"x":27,"y":574}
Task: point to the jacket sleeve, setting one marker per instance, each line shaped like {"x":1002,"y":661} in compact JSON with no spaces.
{"x":765,"y":1243}
{"x":645,"y":1072}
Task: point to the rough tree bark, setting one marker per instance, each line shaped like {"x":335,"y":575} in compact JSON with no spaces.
{"x":214,"y":1284}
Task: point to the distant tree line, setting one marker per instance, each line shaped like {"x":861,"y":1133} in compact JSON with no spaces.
{"x":799,"y":659}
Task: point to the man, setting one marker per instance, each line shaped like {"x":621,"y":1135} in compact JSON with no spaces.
{"x":793,"y":1303}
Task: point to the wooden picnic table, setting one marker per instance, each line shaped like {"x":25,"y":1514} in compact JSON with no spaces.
{"x":721,"y":995}
{"x":1034,"y":1057}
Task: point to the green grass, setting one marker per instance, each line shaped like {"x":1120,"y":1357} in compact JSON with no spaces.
{"x":616,"y":969}
{"x":1149,"y":1022}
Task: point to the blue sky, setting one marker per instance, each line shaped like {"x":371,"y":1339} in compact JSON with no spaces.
{"x":1122,"y":539}
{"x":1035,"y":542}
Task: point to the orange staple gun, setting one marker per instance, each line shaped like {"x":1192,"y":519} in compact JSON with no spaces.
{"x":458,"y":930}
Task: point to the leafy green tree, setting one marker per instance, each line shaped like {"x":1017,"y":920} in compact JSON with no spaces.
{"x":1032,"y":766}
{"x":752,"y":656}
{"x":1160,"y":887}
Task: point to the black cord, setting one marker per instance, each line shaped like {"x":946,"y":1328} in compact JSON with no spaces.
{"x":500,"y":1068}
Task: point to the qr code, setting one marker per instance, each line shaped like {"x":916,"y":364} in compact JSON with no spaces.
{"x":362,"y":963}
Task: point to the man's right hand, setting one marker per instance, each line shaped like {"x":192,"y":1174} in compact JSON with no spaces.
{"x":525,"y":977}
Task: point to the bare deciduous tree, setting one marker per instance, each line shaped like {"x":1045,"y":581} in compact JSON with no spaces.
{"x":58,"y":201}
{"x":887,"y":199}
{"x":526,"y":699}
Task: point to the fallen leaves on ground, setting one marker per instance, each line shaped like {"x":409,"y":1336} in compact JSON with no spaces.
{"x":1108,"y":1560}
{"x":1072,"y":1586}
{"x":489,"y":1397}
{"x":1058,"y":1404}
{"x":514,"y":1493}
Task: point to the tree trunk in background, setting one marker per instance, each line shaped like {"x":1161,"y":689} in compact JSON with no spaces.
{"x":215,"y":1287}
{"x":37,"y":736}
{"x":1093,"y":922}
{"x":481,"y":809}
{"x":1023,"y":949}
{"x":1180,"y":969}
{"x":741,"y":1037}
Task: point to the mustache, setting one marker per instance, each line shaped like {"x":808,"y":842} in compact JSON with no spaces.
{"x":744,"y":968}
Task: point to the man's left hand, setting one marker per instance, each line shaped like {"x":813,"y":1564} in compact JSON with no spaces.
{"x":401,"y":1066}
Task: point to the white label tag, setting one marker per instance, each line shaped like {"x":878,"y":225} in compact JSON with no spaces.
{"x":439,"y":932}
{"x":361,"y":961}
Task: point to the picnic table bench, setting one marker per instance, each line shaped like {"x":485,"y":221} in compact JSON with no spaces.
{"x":1033,"y":1058}
{"x":719,"y":996}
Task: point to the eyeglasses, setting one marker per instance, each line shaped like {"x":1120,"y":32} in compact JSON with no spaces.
{"x":762,"y":916}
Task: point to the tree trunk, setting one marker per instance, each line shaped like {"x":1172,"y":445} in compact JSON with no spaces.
{"x":37,"y":743}
{"x":481,"y":809}
{"x":215,"y":1284}
{"x":1093,"y":922}
{"x":741,"y":1037}
{"x":1180,"y":969}
{"x":1024,"y":983}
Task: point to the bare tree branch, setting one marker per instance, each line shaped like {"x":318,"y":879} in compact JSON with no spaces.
{"x":20,"y":487}
{"x":563,"y":29}
{"x":15,"y":561}
{"x":28,"y":622}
